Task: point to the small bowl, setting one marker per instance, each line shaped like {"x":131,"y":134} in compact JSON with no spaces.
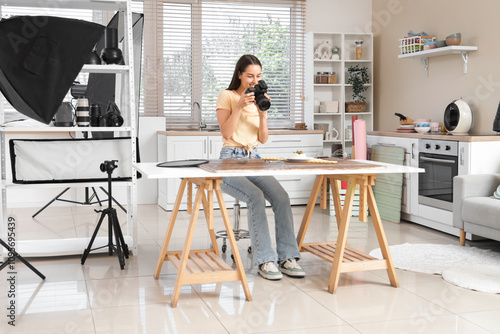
{"x":453,"y":41}
{"x":441,"y":43}
{"x":421,"y":124}
{"x":455,"y":35}
{"x":422,"y":129}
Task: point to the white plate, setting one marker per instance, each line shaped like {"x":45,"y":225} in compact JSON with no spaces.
{"x":298,"y":159}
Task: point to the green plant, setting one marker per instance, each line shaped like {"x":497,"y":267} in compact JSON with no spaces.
{"x":358,"y":77}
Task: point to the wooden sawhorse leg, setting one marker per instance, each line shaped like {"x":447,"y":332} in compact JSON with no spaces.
{"x":201,"y":266}
{"x":336,"y":252}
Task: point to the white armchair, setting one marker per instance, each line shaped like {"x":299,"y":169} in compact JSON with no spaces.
{"x":475,"y":210}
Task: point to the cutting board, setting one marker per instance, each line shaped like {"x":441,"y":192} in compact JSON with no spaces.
{"x":227,"y":165}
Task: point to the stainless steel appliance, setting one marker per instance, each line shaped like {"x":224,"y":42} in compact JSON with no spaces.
{"x":439,"y":158}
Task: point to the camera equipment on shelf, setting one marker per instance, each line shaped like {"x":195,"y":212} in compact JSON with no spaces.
{"x":78,"y":91}
{"x":262,"y":102}
{"x":82,"y":112}
{"x":112,"y":117}
{"x":120,"y":247}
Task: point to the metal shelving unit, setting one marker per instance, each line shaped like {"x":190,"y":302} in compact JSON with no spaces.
{"x":126,"y":100}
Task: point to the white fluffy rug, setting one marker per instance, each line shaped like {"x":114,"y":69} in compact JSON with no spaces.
{"x":467,"y":267}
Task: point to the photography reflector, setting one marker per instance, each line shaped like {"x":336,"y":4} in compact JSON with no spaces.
{"x":68,"y":160}
{"x":39,"y":60}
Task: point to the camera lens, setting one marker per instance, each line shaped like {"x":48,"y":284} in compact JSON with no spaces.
{"x":95,"y":114}
{"x":263,"y":102}
{"x":83,"y":112}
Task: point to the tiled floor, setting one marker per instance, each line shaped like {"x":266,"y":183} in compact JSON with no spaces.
{"x":98,"y":297}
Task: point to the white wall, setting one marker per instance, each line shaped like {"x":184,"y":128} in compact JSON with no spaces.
{"x":339,"y":15}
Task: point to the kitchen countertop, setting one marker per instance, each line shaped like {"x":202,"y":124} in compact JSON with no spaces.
{"x":217,"y":133}
{"x":438,"y":136}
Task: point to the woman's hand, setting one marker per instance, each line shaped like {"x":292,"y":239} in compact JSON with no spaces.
{"x":246,"y":99}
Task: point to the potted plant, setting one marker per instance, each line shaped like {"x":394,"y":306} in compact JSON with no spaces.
{"x":358,"y":77}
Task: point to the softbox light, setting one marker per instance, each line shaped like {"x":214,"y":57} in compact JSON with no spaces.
{"x":40,"y":57}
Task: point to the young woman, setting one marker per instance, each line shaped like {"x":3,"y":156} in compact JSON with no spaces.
{"x":243,"y":125}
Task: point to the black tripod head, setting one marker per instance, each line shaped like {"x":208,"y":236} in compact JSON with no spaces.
{"x":108,"y":166}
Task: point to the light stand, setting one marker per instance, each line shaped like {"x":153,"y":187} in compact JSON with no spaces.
{"x":120,"y":247}
{"x":15,"y":256}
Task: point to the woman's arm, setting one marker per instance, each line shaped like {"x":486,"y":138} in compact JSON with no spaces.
{"x":228,"y":119}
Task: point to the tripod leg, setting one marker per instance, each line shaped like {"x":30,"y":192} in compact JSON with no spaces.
{"x":16,"y":255}
{"x":121,"y":240}
{"x":52,"y":201}
{"x":114,"y":222}
{"x":89,"y":247}
{"x":96,"y":196}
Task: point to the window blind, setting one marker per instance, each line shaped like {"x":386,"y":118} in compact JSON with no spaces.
{"x":192,"y":46}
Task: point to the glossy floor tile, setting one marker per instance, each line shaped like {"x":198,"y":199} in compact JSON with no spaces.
{"x":99,"y":297}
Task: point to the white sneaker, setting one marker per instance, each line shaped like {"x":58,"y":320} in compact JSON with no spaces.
{"x":269,"y":271}
{"x":291,"y":268}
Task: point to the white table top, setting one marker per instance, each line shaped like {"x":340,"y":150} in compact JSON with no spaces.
{"x":150,"y":171}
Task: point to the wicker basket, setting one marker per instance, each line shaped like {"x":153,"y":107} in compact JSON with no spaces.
{"x":355,"y":106}
{"x":322,"y":126}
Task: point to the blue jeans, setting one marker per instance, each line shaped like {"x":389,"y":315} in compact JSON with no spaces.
{"x":255,"y":190}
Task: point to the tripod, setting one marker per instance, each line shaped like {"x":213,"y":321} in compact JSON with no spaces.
{"x":120,"y":247}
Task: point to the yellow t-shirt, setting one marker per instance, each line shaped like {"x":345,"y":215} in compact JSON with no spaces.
{"x":245,"y":134}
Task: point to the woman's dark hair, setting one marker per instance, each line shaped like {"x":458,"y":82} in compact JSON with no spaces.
{"x":240,"y":67}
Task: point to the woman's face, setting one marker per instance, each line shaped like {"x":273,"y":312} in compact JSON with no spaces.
{"x":251,"y":76}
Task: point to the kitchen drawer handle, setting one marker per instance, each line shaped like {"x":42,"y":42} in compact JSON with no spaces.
{"x":287,"y":141}
{"x":291,"y":180}
{"x":438,"y":160}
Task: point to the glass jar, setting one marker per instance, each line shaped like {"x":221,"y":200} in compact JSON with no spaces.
{"x":324,"y":77}
{"x":332,"y":78}
{"x":359,"y":50}
{"x":317,"y":77}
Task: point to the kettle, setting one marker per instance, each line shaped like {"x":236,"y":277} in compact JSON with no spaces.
{"x":458,"y":117}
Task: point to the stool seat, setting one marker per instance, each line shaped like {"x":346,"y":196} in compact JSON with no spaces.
{"x":238,"y":233}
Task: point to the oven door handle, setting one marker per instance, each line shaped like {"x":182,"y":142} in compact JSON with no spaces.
{"x":438,"y":160}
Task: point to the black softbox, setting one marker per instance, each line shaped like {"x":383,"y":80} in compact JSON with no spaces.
{"x":40,"y":57}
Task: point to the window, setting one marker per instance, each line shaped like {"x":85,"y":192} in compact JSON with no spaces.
{"x":191,"y":48}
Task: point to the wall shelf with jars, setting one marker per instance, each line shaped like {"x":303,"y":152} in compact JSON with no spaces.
{"x":329,"y":56}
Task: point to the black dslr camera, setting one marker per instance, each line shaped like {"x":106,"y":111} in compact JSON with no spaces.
{"x":112,"y":117}
{"x":108,"y":166}
{"x":262,"y":102}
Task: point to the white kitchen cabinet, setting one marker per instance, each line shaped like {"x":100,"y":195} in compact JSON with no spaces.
{"x":179,"y":146}
{"x":340,"y":92}
{"x":171,"y":148}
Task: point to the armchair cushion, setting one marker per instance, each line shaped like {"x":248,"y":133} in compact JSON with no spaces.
{"x":483,"y":211}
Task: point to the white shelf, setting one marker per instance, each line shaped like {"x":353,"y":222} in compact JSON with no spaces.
{"x":104,"y":183}
{"x":340,"y":91}
{"x":424,"y":56}
{"x":72,"y":4}
{"x":105,"y":68}
{"x":64,"y":129}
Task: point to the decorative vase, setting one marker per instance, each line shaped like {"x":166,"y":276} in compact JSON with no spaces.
{"x":111,"y":54}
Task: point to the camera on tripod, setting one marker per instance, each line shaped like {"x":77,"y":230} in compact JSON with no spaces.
{"x":108,"y":166}
{"x":262,"y":102}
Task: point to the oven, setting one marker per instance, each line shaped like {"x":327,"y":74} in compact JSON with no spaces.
{"x":439,"y":158}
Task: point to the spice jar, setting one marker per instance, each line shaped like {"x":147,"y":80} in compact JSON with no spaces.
{"x":317,"y":77}
{"x":359,"y":50}
{"x":332,"y":78}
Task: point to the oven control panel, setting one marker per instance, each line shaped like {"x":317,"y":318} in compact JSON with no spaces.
{"x":443,"y":147}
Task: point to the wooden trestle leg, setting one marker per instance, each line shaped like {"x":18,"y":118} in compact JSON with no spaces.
{"x":201,"y":266}
{"x":344,"y":258}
